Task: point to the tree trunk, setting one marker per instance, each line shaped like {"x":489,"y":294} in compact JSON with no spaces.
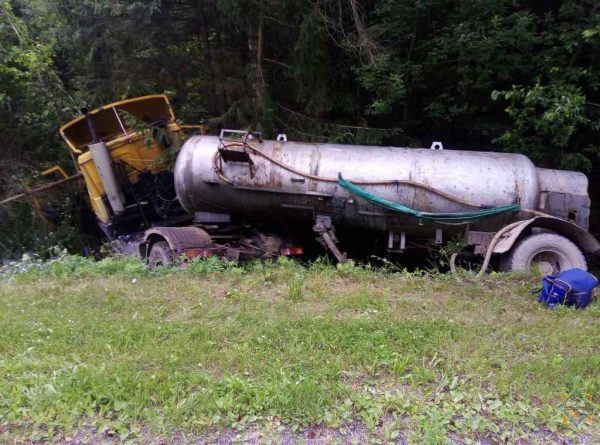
{"x":255,"y":47}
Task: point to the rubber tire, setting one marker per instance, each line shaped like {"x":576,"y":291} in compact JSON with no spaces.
{"x":523,"y":253}
{"x":160,"y":255}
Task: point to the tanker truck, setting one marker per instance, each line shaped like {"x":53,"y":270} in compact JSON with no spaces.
{"x":238,"y":196}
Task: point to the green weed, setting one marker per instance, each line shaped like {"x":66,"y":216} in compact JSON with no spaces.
{"x":296,"y":286}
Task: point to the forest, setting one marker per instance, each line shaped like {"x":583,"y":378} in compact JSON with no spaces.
{"x":501,"y":75}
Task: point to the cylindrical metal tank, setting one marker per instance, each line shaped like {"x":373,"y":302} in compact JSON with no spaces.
{"x":264,"y":191}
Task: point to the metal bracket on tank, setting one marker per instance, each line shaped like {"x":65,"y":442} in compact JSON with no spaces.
{"x":437,"y":145}
{"x":396,"y":242}
{"x":327,"y":238}
{"x":228,"y":154}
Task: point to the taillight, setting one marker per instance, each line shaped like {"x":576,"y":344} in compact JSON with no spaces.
{"x":197,"y":253}
{"x":292,"y":251}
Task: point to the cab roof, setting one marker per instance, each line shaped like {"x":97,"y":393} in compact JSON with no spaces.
{"x":111,"y":120}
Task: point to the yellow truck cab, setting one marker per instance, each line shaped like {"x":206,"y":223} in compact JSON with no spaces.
{"x":121,"y":151}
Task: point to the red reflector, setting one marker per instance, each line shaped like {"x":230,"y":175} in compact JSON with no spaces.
{"x":197,"y":253}
{"x":291,"y":251}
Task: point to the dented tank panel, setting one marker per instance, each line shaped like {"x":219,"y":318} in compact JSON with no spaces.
{"x":564,"y":194}
{"x":261,"y":189}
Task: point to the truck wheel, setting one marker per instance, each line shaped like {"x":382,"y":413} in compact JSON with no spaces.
{"x":160,"y":255}
{"x":550,"y":252}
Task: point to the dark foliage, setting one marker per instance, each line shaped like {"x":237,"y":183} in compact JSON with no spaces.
{"x":488,"y":74}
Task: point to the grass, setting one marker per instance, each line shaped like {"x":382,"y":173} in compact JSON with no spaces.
{"x":430,"y":357}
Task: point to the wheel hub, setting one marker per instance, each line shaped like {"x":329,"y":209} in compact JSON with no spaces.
{"x":550,"y":262}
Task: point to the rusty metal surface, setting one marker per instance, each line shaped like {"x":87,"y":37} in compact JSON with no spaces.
{"x":586,"y":242}
{"x":480,"y":240}
{"x":180,"y":238}
{"x":264,"y":191}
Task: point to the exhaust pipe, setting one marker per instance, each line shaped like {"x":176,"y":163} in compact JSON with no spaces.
{"x":102,"y":160}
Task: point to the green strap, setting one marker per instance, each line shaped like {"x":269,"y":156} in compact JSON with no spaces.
{"x":442,"y":217}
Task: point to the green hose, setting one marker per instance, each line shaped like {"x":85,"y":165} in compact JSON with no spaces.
{"x":456,"y":217}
